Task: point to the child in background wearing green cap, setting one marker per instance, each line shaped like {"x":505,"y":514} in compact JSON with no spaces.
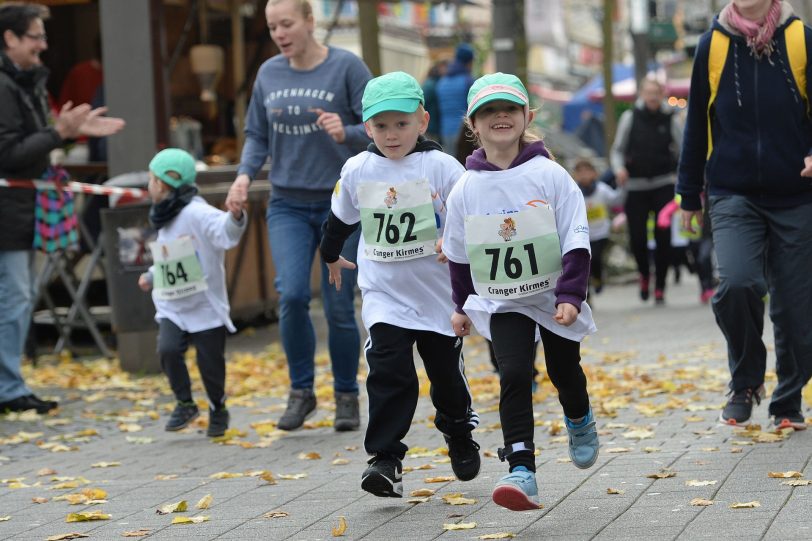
{"x":517,"y":242}
{"x":396,"y":190}
{"x":188,"y":285}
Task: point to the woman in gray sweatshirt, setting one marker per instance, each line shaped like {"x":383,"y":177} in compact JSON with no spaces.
{"x":305,"y":115}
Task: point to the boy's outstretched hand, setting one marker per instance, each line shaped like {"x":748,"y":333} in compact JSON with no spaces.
{"x":335,"y":270}
{"x":144,"y":283}
{"x":438,"y":248}
{"x":461,"y":324}
{"x":565,"y":314}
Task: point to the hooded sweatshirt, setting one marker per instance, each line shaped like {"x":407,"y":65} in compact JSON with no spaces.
{"x":761,"y":130}
{"x":572,"y":285}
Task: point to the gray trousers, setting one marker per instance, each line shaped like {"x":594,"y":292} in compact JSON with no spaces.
{"x":210,"y":345}
{"x":765,"y":250}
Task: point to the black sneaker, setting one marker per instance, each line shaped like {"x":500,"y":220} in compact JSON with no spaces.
{"x":464,"y":454}
{"x":347,"y":415}
{"x":28,"y":402}
{"x":218,"y":422}
{"x":793,"y":419}
{"x":739,"y":406}
{"x":183,"y":414}
{"x":383,"y":477}
{"x":301,"y":406}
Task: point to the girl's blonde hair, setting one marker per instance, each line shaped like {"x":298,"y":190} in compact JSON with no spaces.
{"x":529,"y":135}
{"x":303,"y":5}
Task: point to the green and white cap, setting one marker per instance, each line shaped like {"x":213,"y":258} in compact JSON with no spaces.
{"x":396,"y":91}
{"x":177,"y":160}
{"x":496,"y":86}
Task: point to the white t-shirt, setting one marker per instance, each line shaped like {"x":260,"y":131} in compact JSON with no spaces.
{"x":412,"y":294}
{"x":534,"y":183}
{"x":212,"y":232}
{"x":598,"y":204}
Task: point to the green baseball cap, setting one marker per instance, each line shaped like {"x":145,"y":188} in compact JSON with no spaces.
{"x":396,"y":91}
{"x":177,"y":160}
{"x":496,"y":86}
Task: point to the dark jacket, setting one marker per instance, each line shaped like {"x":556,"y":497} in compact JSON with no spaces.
{"x":26,"y":140}
{"x":761,"y":131}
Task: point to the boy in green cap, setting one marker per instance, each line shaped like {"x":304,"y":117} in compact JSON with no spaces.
{"x":187,"y":279}
{"x":396,"y":190}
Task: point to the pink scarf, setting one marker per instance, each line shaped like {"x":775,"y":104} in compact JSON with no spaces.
{"x":759,"y":34}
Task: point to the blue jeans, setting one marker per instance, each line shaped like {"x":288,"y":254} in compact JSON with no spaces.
{"x":16,"y":296}
{"x":763,"y":250}
{"x":294,"y":231}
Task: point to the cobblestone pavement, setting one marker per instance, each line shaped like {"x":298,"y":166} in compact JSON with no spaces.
{"x":657,"y":380}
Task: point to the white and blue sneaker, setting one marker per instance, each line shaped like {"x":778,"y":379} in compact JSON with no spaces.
{"x":583,"y":441}
{"x":517,"y":490}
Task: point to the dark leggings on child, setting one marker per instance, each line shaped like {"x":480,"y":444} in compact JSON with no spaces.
{"x":210,"y":345}
{"x":596,"y":263}
{"x":638,"y":206}
{"x":513,"y":337}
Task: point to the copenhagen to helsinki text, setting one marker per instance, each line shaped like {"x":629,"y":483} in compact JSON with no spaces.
{"x":519,"y":290}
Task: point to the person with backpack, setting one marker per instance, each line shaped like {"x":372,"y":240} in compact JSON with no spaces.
{"x":749,"y":136}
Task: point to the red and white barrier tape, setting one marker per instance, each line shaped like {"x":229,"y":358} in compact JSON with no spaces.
{"x":78,"y":187}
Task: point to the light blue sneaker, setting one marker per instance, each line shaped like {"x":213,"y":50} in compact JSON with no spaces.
{"x":583,"y":441}
{"x":517,"y":490}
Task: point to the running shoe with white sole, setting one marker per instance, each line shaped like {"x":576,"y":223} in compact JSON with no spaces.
{"x":383,"y":477}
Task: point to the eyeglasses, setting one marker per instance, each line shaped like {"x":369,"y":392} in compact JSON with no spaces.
{"x":37,"y":37}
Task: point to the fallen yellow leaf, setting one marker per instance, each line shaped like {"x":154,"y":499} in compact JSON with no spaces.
{"x":66,"y":536}
{"x":105,"y":464}
{"x":94,"y":493}
{"x":421,"y":492}
{"x":662,"y":475}
{"x":423,"y":499}
{"x":268,"y":477}
{"x":456,"y":498}
{"x":189,"y":520}
{"x":441,"y":479}
{"x":745,"y":505}
{"x":701,"y":502}
{"x":177,"y":507}
{"x":639,"y":434}
{"x":785,"y":475}
{"x":46,"y":471}
{"x":141,"y":532}
{"x":309,"y":456}
{"x":618,"y":450}
{"x":275,"y":514}
{"x":226,"y":475}
{"x":87,"y":515}
{"x":166,"y":476}
{"x":460,"y":526}
{"x":696,"y":483}
{"x":292,"y":476}
{"x":204,"y":502}
{"x":340,"y":462}
{"x":501,"y":535}
{"x":651,"y":449}
{"x":130,"y":427}
{"x":4,"y":519}
{"x":797,"y":482}
{"x":615,"y":491}
{"x":40,"y":500}
{"x":339,"y":530}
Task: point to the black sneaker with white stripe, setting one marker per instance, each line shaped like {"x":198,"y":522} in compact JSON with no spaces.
{"x":383,"y":477}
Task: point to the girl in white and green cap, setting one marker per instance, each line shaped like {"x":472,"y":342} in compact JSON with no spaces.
{"x":517,"y":241}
